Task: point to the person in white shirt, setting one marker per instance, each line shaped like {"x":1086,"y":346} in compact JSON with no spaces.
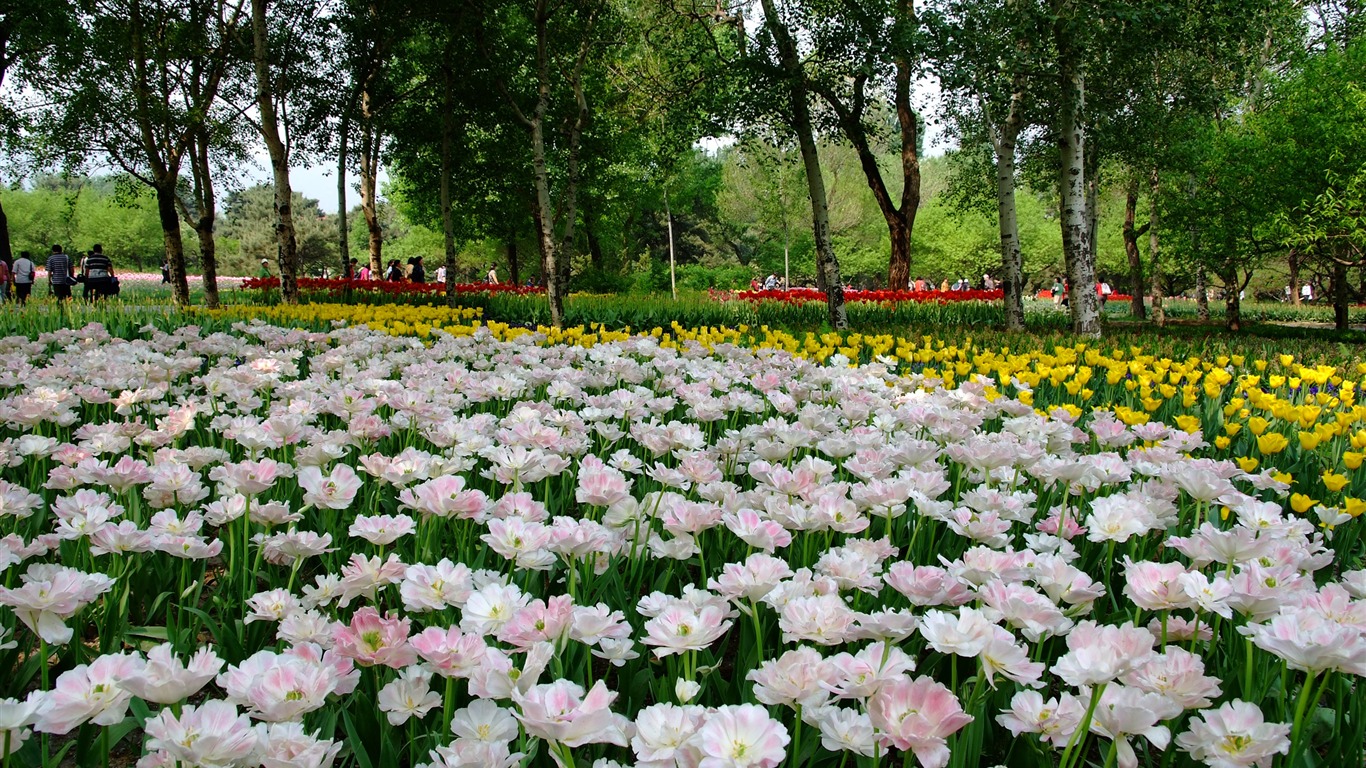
{"x":441,"y":274}
{"x":493,"y":275}
{"x":24,"y":271}
{"x":1307,"y":292}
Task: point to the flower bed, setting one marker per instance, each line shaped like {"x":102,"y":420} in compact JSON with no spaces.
{"x":337,"y":287}
{"x":796,"y":295}
{"x":490,"y":546}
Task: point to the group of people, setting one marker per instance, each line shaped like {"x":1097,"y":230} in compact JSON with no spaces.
{"x":94,"y":271}
{"x":1061,"y":288}
{"x":961,"y":284}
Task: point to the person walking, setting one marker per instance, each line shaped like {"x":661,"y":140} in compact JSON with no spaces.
{"x":22,"y":276}
{"x":59,"y":278}
{"x":441,"y":274}
{"x":4,"y":281}
{"x":395,"y":273}
{"x":493,"y":275}
{"x":98,"y":273}
{"x":416,"y":272}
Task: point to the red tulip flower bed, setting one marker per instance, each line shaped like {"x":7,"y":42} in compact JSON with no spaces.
{"x":799,"y":295}
{"x":389,"y":286}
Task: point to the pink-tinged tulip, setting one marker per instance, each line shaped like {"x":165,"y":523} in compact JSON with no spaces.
{"x":288,"y":745}
{"x":50,"y":595}
{"x":450,"y":652}
{"x":1305,"y":640}
{"x":562,"y":713}
{"x":926,"y":585}
{"x":165,"y":680}
{"x":408,"y":695}
{"x":1099,"y":653}
{"x":279,"y":687}
{"x":335,"y":490}
{"x":371,"y":640}
{"x":1124,"y":712}
{"x":1235,"y":735}
{"x":844,"y":730}
{"x":662,"y":730}
{"x":212,"y":735}
{"x":250,"y":478}
{"x":918,"y":715}
{"x":445,"y":496}
{"x":15,"y":718}
{"x":92,"y":693}
{"x":381,"y":530}
{"x":740,"y":736}
{"x":1178,"y":675}
{"x":539,"y":622}
{"x":599,"y":484}
{"x":436,"y":587}
{"x":484,"y":721}
{"x":1156,"y":586}
{"x":1054,"y":720}
{"x":681,"y":628}
{"x":798,"y":678}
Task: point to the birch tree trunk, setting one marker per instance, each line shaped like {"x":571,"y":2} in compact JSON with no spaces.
{"x":1003,"y":141}
{"x":1072,"y":183}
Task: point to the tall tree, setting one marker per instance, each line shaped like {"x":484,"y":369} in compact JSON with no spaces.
{"x":142,"y":93}
{"x":792,"y":77}
{"x":290,"y":46}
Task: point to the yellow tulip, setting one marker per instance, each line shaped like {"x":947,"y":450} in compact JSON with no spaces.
{"x":1334,"y":482}
{"x":1247,"y":463}
{"x":1353,"y":506}
{"x":1301,"y":503}
{"x":1352,"y":459}
{"x":1233,"y":428}
{"x":1308,"y":440}
{"x":1188,"y":423}
{"x":1282,"y":477}
{"x":1257,"y":425}
{"x":1222,"y":443}
{"x":1286,"y":360}
{"x":1272,"y":443}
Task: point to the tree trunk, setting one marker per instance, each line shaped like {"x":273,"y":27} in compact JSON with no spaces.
{"x":207,"y":216}
{"x":1340,"y":303}
{"x":513,"y":267}
{"x":545,"y":225}
{"x":369,"y":180}
{"x":899,"y":271}
{"x":1154,"y":262}
{"x":1131,"y":248}
{"x":343,"y":226}
{"x":1072,"y":165}
{"x":447,"y":169}
{"x":288,"y":249}
{"x":6,"y":249}
{"x":1012,"y":264}
{"x":1232,"y":301}
{"x":1294,"y":277}
{"x":1201,"y":295}
{"x":827,"y":266}
{"x":170,"y":234}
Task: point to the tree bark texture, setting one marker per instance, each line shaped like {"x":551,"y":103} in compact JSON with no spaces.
{"x":343,"y":224}
{"x":1294,"y":277}
{"x":447,"y":163}
{"x":1340,"y":302}
{"x":1131,"y":236}
{"x":827,"y":266}
{"x":1072,"y":183}
{"x":1201,"y":295}
{"x":175,"y":245}
{"x":1154,"y":260}
{"x":287,"y":254}
{"x":1003,"y":141}
{"x":1233,"y":309}
{"x":370,"y":142}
